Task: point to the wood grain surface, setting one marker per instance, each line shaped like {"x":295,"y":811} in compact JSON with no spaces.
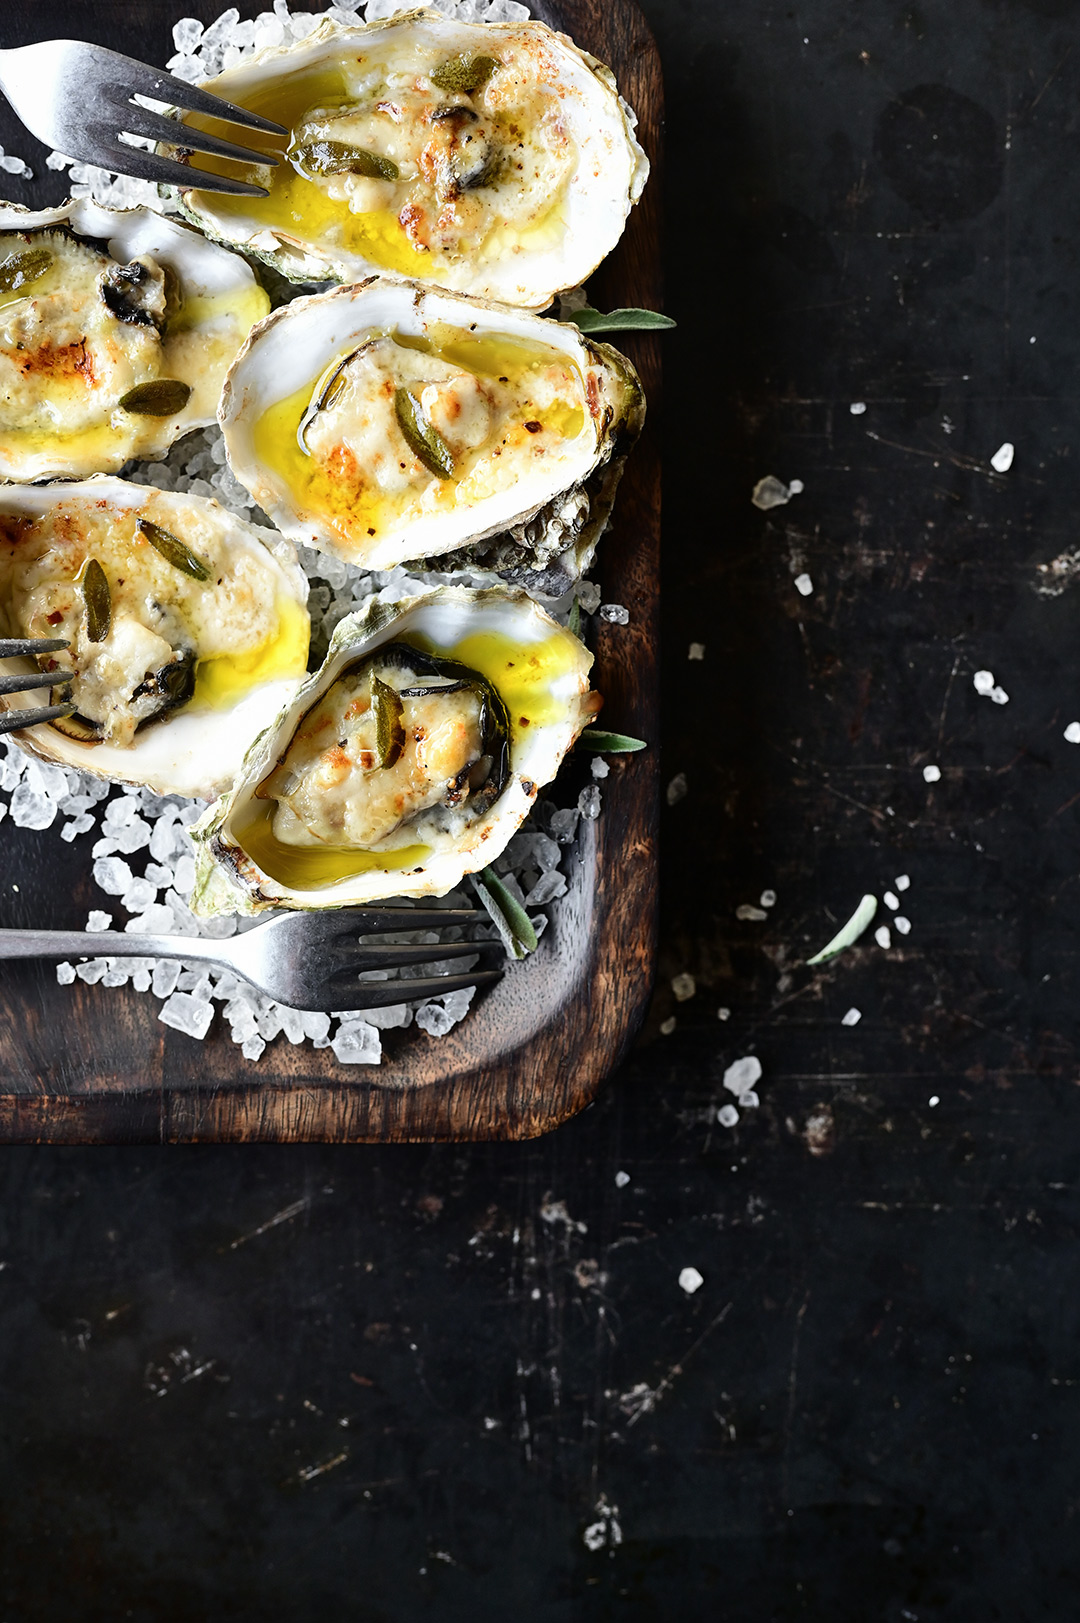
{"x":89,"y":1064}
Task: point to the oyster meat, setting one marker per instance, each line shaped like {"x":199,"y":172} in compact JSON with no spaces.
{"x":406,"y":762}
{"x":116,"y":331}
{"x":187,"y":629}
{"x":492,"y":158}
{"x":386,"y":422}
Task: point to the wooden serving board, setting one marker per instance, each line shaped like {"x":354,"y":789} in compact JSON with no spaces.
{"x":92,"y":1064}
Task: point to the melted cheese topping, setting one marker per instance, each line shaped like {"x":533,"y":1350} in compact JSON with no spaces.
{"x":235,"y":630}
{"x":67,"y":358}
{"x":479,"y":174}
{"x":338,"y":448}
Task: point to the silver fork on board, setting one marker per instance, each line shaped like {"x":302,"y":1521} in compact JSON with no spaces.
{"x":304,"y":960}
{"x":78,"y":99}
{"x":25,"y":681}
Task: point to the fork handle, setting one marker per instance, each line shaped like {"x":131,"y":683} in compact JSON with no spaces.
{"x":111,"y":944}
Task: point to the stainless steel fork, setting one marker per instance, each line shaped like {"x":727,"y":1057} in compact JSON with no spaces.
{"x":78,"y":98}
{"x":25,"y":681}
{"x":304,"y":960}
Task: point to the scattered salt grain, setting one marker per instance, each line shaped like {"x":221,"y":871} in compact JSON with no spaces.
{"x":589,"y":802}
{"x":796,"y":487}
{"x":746,"y":910}
{"x":723,"y":1014}
{"x":139,"y":894}
{"x":546,"y":889}
{"x":599,"y":767}
{"x":727,"y":1115}
{"x":667,"y":1026}
{"x":65,"y":974}
{"x":883,"y":937}
{"x":31,"y":808}
{"x":983,"y":682}
{"x":691,"y":1280}
{"x":931,"y":774}
{"x":857,"y":408}
{"x":252,"y":1047}
{"x":902,"y":924}
{"x":770,"y":492}
{"x":97,"y":922}
{"x":697,"y":650}
{"x":622,"y":1179}
{"x":677,"y":788}
{"x":902,"y":881}
{"x":852,"y":1017}
{"x":112,"y":875}
{"x":891,"y":901}
{"x":1002,"y":459}
{"x":740,"y":1077}
{"x":357,"y":1043}
{"x":803,"y":585}
{"x":1072,"y":732}
{"x":684,"y":986}
{"x":615,"y":614}
{"x":165,"y":976}
{"x":157,"y":919}
{"x":185,"y":1013}
{"x":768,"y":898}
{"x":588,"y":596}
{"x":92,"y":972}
{"x":933,"y":1100}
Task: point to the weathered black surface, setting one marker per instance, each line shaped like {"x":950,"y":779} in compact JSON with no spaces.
{"x":869,"y":1408}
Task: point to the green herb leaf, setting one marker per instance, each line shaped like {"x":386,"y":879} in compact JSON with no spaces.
{"x":465,"y":74}
{"x":389,"y":726}
{"x":509,"y":917}
{"x":422,"y":438}
{"x":318,"y":158}
{"x":177,"y":552}
{"x":161,"y":397}
{"x":98,"y":600}
{"x":859,"y":921}
{"x":19,"y":270}
{"x":610,"y":743}
{"x":590,"y":320}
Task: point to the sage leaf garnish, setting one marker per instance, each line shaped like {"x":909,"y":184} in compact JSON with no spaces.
{"x":422,"y":437}
{"x":593,"y":738}
{"x":319,"y":158}
{"x":19,"y":270}
{"x":388,"y":711}
{"x":465,"y":74}
{"x":859,"y":921}
{"x":98,"y":600}
{"x":161,"y":397}
{"x":508,"y":916}
{"x":175,"y":551}
{"x":590,"y":320}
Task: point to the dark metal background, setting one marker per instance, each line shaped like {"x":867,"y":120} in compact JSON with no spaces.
{"x":396,"y":1383}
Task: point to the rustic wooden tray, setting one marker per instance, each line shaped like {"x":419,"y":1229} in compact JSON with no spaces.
{"x":90,"y":1064}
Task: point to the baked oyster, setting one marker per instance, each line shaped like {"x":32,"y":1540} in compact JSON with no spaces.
{"x":387,"y":421}
{"x":492,"y":158}
{"x":187,"y":629}
{"x":406,"y":762}
{"x":116,"y":331}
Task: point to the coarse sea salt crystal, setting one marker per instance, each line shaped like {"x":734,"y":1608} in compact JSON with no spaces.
{"x":98,"y":921}
{"x":883,"y":937}
{"x":740,"y":1077}
{"x":677,"y":789}
{"x":622,"y":1179}
{"x":902,"y":881}
{"x":668,"y":1026}
{"x":185,"y":1013}
{"x":546,"y":889}
{"x":599,"y":767}
{"x":857,"y":408}
{"x":767,"y":898}
{"x":65,"y":974}
{"x":852,"y":1017}
{"x":750,"y":913}
{"x":390,"y":1016}
{"x":932,"y":774}
{"x":890,"y":900}
{"x":1072,"y":732}
{"x":357,"y":1043}
{"x":727,"y":1115}
{"x":691,"y":1280}
{"x":697,"y":651}
{"x":770,"y":492}
{"x":112,"y":875}
{"x":589,"y":802}
{"x":983,"y":681}
{"x":684,"y":986}
{"x":1002,"y":459}
{"x":615,"y":614}
{"x":804,"y":585}
{"x":902,"y":924}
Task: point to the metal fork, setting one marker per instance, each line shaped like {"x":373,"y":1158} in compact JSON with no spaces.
{"x":23,"y":682}
{"x":78,"y":98}
{"x":304,"y":960}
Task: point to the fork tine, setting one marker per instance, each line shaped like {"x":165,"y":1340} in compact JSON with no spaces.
{"x":385,"y":920}
{"x":378,"y":994}
{"x":358,"y":958}
{"x":142,"y":80}
{"x":26,"y":680}
{"x":19,"y":647}
{"x":16,"y":719}
{"x":136,"y":120}
{"x":148,"y":166}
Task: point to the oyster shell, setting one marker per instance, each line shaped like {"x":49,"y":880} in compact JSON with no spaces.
{"x":485,"y":695}
{"x":492,"y":158}
{"x":116,"y":331}
{"x":387,"y":421}
{"x":188,"y":629}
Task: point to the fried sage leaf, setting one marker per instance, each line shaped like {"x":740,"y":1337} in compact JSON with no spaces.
{"x":465,"y":74}
{"x":593,"y":738}
{"x":389,"y":724}
{"x":161,"y":397}
{"x":860,"y":921}
{"x":177,"y":552}
{"x":98,"y":600}
{"x":508,"y":916}
{"x":19,"y":270}
{"x":318,"y":158}
{"x":590,"y":320}
{"x":423,"y":439}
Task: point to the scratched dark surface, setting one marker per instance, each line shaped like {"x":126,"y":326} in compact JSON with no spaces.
{"x":398,"y":1383}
